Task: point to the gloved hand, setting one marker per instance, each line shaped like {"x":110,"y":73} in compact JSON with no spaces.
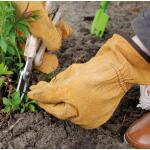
{"x":44,"y":29}
{"x":88,"y":94}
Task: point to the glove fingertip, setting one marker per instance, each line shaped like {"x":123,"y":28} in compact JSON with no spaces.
{"x":49,"y":63}
{"x":29,"y":94}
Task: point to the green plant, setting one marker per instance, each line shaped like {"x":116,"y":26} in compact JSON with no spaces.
{"x":11,"y":24}
{"x":4,"y":70}
{"x":14,"y":103}
{"x":13,"y":33}
{"x":28,"y":105}
{"x":50,"y":76}
{"x":1,"y":82}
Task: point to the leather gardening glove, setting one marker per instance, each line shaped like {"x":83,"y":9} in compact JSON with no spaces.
{"x":44,"y":29}
{"x":88,"y":94}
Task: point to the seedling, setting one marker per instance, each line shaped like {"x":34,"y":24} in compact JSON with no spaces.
{"x":4,"y":70}
{"x":14,"y":103}
{"x":27,"y":105}
{"x":11,"y":104}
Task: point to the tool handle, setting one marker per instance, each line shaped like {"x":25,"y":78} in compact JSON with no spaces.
{"x":33,"y":42}
{"x":31,"y":46}
{"x":40,"y":54}
{"x":48,"y":6}
{"x":104,"y":5}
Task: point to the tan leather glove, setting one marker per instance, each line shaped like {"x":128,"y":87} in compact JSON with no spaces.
{"x":44,"y":29}
{"x":88,"y":94}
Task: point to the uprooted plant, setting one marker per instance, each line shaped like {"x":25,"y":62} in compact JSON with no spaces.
{"x":13,"y":33}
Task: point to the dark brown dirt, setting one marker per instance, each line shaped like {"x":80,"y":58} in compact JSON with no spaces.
{"x":40,"y":130}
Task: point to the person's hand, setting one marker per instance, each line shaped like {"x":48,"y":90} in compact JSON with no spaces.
{"x":88,"y":94}
{"x":44,"y":29}
{"x":84,"y":93}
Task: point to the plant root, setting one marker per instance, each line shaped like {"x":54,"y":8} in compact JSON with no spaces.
{"x":13,"y":125}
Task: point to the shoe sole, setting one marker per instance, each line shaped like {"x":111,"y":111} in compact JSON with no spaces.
{"x":127,"y":142}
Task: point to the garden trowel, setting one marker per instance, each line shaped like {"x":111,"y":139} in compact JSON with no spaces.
{"x":100,"y":20}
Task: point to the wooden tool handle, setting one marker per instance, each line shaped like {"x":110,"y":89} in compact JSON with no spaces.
{"x":41,"y":51}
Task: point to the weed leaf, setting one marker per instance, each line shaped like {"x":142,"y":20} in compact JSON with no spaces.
{"x":6,"y":101}
{"x":7,"y":109}
{"x":4,"y":70}
{"x":22,"y":110}
{"x":3,"y":45}
{"x":31,"y":107}
{"x":16,"y":99}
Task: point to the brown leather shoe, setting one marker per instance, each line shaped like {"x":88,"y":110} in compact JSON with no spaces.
{"x":138,"y":134}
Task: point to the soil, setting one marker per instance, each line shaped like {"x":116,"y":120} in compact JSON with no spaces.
{"x":40,"y":130}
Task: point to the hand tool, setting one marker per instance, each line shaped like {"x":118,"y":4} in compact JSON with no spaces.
{"x":100,"y":20}
{"x":31,"y":53}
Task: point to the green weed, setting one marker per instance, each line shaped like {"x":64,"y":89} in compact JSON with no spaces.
{"x":15,"y":104}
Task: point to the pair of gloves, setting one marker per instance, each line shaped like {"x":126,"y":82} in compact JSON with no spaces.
{"x":88,"y":94}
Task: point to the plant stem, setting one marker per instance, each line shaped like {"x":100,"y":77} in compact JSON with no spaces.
{"x":2,"y":56}
{"x":19,"y":56}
